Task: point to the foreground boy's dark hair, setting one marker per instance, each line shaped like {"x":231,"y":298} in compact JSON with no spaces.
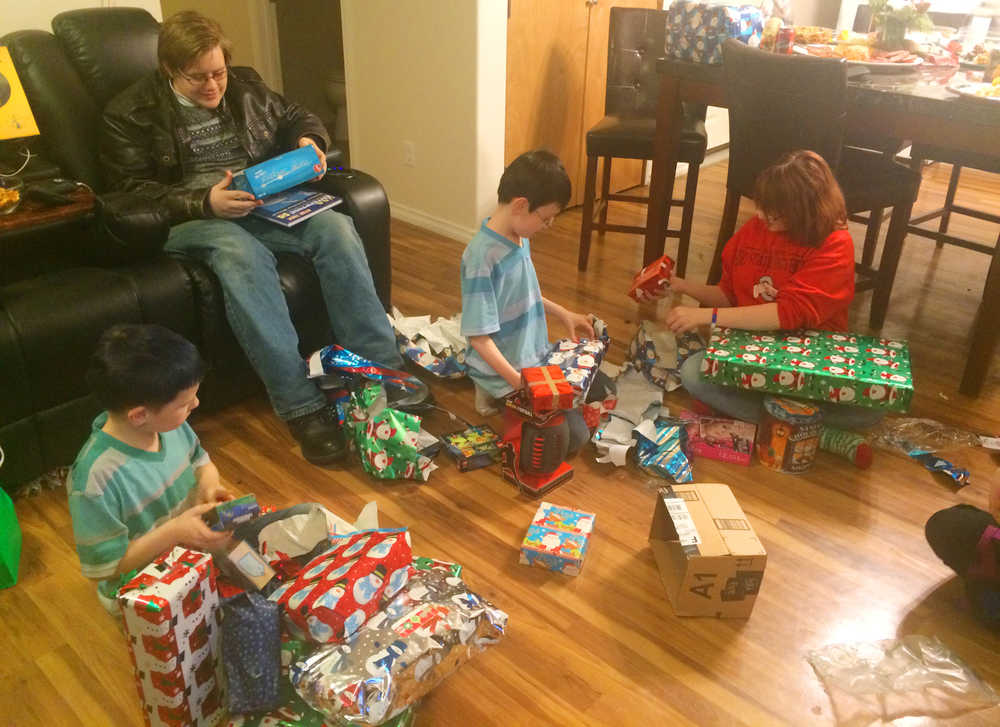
{"x":538,"y":176}
{"x":142,"y":365}
{"x":801,"y":190}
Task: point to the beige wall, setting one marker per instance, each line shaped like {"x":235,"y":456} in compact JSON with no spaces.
{"x":38,"y":14}
{"x":429,"y":73}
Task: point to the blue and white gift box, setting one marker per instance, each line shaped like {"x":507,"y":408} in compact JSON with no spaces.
{"x":557,"y":539}
{"x":696,"y":31}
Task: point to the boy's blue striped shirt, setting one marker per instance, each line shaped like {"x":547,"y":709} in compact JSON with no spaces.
{"x":501,"y":298}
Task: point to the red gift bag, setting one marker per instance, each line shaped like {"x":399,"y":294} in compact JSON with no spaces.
{"x":546,"y":388}
{"x":337,"y":591}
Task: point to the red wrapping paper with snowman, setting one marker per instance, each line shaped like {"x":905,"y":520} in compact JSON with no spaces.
{"x":843,"y":368}
{"x":170,"y":613}
{"x":336,"y":592}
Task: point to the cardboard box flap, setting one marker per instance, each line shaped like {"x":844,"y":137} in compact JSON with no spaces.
{"x":689,"y":521}
{"x":729,"y":520}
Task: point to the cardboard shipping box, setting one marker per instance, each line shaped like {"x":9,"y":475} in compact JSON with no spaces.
{"x":709,"y":557}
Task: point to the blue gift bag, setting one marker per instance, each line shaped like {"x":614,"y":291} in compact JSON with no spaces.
{"x":251,"y":652}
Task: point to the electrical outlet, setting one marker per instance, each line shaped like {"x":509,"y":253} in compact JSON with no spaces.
{"x":409,"y":154}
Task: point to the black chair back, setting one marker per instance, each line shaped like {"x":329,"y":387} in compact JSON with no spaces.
{"x":636,"y":39}
{"x":779,"y":103}
{"x":111,"y":48}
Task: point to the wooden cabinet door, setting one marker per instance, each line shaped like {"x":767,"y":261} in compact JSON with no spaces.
{"x":557,"y":57}
{"x":546,"y":64}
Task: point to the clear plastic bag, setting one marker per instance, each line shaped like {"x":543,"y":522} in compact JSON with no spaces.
{"x":885,"y":680}
{"x":905,"y":434}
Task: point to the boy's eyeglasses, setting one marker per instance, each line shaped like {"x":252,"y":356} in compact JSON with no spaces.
{"x":547,"y":221}
{"x":200,"y":79}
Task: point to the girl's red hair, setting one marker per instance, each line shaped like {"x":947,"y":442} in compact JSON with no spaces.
{"x":801,"y":190}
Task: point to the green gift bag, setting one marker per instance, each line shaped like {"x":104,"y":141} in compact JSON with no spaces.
{"x":10,"y":541}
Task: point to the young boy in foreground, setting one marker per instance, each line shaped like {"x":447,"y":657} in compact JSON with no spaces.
{"x":141,"y":482}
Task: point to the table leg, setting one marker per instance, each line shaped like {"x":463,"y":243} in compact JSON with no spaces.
{"x":661,"y":183}
{"x":984,"y":332}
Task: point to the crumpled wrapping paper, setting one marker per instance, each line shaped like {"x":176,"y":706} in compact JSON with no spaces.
{"x":637,"y":400}
{"x":660,"y":450}
{"x":388,"y":441}
{"x":437,"y":347}
{"x":428,"y":630}
{"x":658,"y":353}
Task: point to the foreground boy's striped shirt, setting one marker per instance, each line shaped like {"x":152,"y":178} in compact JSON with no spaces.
{"x":501,"y":298}
{"x":118,"y":492}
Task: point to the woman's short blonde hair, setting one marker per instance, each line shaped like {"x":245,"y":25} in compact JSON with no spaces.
{"x":185,"y":36}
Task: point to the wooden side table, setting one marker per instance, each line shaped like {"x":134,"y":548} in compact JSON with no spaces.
{"x":32,"y":216}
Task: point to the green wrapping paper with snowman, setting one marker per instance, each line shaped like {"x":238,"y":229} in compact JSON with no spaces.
{"x":842,"y":368}
{"x":387,"y":440}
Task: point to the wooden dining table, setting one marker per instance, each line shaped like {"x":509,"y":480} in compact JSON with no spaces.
{"x":914,"y":105}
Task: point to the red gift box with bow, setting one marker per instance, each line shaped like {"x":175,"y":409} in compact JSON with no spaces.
{"x":653,"y":280}
{"x":547,"y":388}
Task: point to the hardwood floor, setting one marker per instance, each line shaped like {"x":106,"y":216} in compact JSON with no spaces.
{"x":847,"y":558}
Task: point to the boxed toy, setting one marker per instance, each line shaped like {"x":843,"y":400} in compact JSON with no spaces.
{"x":229,"y":514}
{"x":557,"y":539}
{"x":696,"y":31}
{"x":727,"y":440}
{"x":710,"y":560}
{"x":839,"y":367}
{"x":652,"y":281}
{"x":473,"y":447}
{"x":170,"y":612}
{"x":547,"y":388}
{"x":278,"y":173}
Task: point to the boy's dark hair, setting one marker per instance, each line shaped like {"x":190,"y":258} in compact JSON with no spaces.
{"x":142,"y":365}
{"x":538,"y":176}
{"x":801,"y":190}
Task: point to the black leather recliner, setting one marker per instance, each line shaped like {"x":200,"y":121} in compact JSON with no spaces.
{"x":115,"y":270}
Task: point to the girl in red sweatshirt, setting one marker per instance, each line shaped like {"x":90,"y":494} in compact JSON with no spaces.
{"x":791,"y":266}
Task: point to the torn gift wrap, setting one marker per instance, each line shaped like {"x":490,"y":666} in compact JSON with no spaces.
{"x":659,"y":354}
{"x":437,"y":347}
{"x":547,"y":389}
{"x":334,"y":359}
{"x":580,"y":360}
{"x":557,"y":539}
{"x":170,"y":612}
{"x":388,"y":441}
{"x":843,"y":368}
{"x":660,"y":449}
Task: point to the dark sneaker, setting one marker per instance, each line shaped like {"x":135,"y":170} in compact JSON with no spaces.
{"x":410,"y":399}
{"x":319,"y":436}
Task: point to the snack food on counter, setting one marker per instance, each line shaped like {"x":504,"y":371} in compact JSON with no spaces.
{"x":812,"y":34}
{"x":433,"y":626}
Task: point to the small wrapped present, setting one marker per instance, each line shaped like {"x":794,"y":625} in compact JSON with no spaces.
{"x":696,"y":31}
{"x":432,"y":627}
{"x":653,"y":280}
{"x":388,"y":441}
{"x":580,"y":360}
{"x":170,"y":612}
{"x":472,"y":447}
{"x":843,"y":368}
{"x":336,"y":592}
{"x":437,"y":347}
{"x":251,"y":652}
{"x":557,"y":539}
{"x":547,"y":388}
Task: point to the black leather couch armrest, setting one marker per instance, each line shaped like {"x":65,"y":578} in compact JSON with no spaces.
{"x":366,"y":203}
{"x":335,"y":159}
{"x":131,"y":227}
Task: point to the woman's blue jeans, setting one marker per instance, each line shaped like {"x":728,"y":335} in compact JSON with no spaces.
{"x":749,"y":405}
{"x":241,"y":254}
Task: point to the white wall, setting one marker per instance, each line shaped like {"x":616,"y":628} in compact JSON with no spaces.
{"x":39,"y":13}
{"x":429,"y":74}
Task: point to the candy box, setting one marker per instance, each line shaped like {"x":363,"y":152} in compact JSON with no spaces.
{"x":557,"y":539}
{"x":653,"y":280}
{"x":710,"y":560}
{"x":547,"y":388}
{"x":842,"y":368}
{"x":696,"y":31}
{"x":170,"y":613}
{"x":229,"y":514}
{"x":473,"y":447}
